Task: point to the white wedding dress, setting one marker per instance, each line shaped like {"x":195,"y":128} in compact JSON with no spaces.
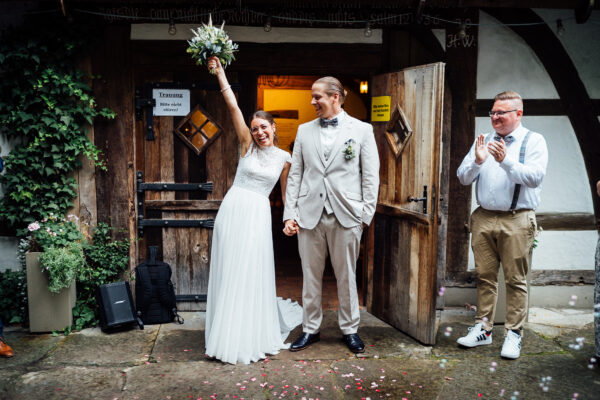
{"x":245,"y":320}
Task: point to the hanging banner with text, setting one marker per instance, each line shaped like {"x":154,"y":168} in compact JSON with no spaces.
{"x":380,"y":108}
{"x":171,"y":102}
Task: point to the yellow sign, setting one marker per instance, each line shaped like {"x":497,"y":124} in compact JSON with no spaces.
{"x":380,"y":108}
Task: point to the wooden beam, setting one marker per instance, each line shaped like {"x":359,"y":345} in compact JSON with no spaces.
{"x":395,"y":211}
{"x":543,"y":277}
{"x":372,"y":4}
{"x":566,"y":221}
{"x":573,"y":94}
{"x":538,"y":107}
{"x":461,"y":74}
{"x":115,"y":186}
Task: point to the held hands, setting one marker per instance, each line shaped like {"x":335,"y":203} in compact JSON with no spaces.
{"x":291,"y":227}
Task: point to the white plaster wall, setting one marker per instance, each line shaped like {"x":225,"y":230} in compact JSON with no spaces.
{"x":505,"y":62}
{"x":582,"y":43}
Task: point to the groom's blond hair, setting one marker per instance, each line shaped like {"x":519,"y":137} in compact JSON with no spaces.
{"x":332,"y":86}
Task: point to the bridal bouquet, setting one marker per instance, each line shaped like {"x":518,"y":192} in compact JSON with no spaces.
{"x":209,"y":41}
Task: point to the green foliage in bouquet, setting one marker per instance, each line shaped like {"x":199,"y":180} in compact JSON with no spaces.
{"x":209,"y":41}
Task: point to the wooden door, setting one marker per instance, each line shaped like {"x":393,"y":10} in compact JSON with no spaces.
{"x":402,"y":243}
{"x":168,"y":159}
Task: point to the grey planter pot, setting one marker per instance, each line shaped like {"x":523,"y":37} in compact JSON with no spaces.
{"x":47,"y":311}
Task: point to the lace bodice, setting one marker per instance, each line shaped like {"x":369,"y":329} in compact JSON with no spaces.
{"x":260,"y":169}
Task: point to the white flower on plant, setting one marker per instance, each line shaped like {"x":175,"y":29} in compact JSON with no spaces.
{"x":34,"y":226}
{"x":60,"y":230}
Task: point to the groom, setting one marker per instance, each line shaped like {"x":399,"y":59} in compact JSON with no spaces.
{"x":331,"y":195}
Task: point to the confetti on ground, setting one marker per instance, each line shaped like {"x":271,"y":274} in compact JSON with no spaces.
{"x":545,"y":383}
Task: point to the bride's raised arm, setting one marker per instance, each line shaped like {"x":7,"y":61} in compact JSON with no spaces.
{"x":241,"y":129}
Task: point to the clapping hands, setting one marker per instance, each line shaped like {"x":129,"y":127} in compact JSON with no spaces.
{"x":496,"y":148}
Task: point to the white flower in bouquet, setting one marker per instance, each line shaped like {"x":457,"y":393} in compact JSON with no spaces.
{"x":209,"y":41}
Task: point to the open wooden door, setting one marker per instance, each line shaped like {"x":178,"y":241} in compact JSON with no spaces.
{"x":402,"y":243}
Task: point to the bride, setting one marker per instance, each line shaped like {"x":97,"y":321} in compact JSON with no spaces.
{"x":245,"y":320}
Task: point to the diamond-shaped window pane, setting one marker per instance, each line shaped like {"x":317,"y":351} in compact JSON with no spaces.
{"x":398,"y":131}
{"x":210,"y":129}
{"x":198,"y":130}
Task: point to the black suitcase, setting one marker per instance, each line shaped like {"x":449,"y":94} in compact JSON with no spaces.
{"x":154,"y":292}
{"x":117,"y":311}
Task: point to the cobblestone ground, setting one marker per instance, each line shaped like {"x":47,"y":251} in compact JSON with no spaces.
{"x":167,"y":362}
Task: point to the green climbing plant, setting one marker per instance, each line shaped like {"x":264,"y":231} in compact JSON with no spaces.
{"x":46,"y":102}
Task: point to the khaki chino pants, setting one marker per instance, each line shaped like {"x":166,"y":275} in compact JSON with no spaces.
{"x":343,"y":246}
{"x":502,"y":237}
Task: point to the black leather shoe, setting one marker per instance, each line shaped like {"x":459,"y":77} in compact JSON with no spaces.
{"x":354,"y":343}
{"x":305,"y":340}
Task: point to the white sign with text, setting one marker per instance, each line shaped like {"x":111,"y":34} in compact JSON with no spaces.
{"x":171,"y":102}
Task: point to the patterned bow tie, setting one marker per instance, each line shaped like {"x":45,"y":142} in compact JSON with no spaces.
{"x":508,"y":139}
{"x":328,"y":122}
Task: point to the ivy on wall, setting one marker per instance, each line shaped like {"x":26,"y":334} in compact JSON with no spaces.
{"x":46,"y":101}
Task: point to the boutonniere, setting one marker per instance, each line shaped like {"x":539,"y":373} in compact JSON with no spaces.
{"x":348,"y":151}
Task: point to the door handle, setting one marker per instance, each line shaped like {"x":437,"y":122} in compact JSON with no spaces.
{"x":418,"y":199}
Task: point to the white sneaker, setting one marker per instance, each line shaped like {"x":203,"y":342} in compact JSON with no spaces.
{"x":477,"y":336}
{"x":512,"y":345}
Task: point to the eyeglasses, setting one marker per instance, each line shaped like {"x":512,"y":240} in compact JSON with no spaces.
{"x":499,"y":113}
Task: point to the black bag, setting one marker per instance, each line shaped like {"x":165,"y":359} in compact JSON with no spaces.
{"x":116,"y":307}
{"x":155,"y":293}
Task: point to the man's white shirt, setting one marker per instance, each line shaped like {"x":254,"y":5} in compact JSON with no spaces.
{"x":495,"y":182}
{"x":328,"y":135}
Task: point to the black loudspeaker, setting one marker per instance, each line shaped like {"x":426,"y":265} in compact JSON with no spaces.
{"x":117,"y":311}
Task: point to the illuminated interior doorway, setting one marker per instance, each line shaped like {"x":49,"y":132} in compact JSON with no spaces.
{"x":287,"y":98}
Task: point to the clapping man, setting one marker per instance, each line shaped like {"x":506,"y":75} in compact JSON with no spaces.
{"x":508,"y":166}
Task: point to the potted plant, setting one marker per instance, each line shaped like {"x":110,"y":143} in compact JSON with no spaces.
{"x":54,"y":259}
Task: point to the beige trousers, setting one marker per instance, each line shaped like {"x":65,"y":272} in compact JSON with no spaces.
{"x":502,"y":237}
{"x":343,"y":245}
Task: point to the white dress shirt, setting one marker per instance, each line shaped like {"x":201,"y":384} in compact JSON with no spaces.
{"x":496,"y":181}
{"x":329,"y":133}
{"x":328,"y":136}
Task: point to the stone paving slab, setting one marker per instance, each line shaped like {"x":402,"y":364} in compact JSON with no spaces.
{"x":67,"y":383}
{"x":301,"y":379}
{"x":201,"y":379}
{"x":580,"y":344}
{"x":472,"y":379}
{"x":389,"y":378}
{"x":179,"y":345}
{"x":446,"y":346}
{"x":29,"y":348}
{"x":93,"y":347}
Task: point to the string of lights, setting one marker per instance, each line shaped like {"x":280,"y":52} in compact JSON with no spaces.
{"x":368,"y":23}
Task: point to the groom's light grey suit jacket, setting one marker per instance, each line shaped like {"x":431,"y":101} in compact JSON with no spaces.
{"x":350,"y":185}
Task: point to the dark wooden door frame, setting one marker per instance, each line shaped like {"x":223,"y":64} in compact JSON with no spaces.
{"x":578,"y":106}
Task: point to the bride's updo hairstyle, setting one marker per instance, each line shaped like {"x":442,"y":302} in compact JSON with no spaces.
{"x":268,"y":117}
{"x":332,"y":86}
